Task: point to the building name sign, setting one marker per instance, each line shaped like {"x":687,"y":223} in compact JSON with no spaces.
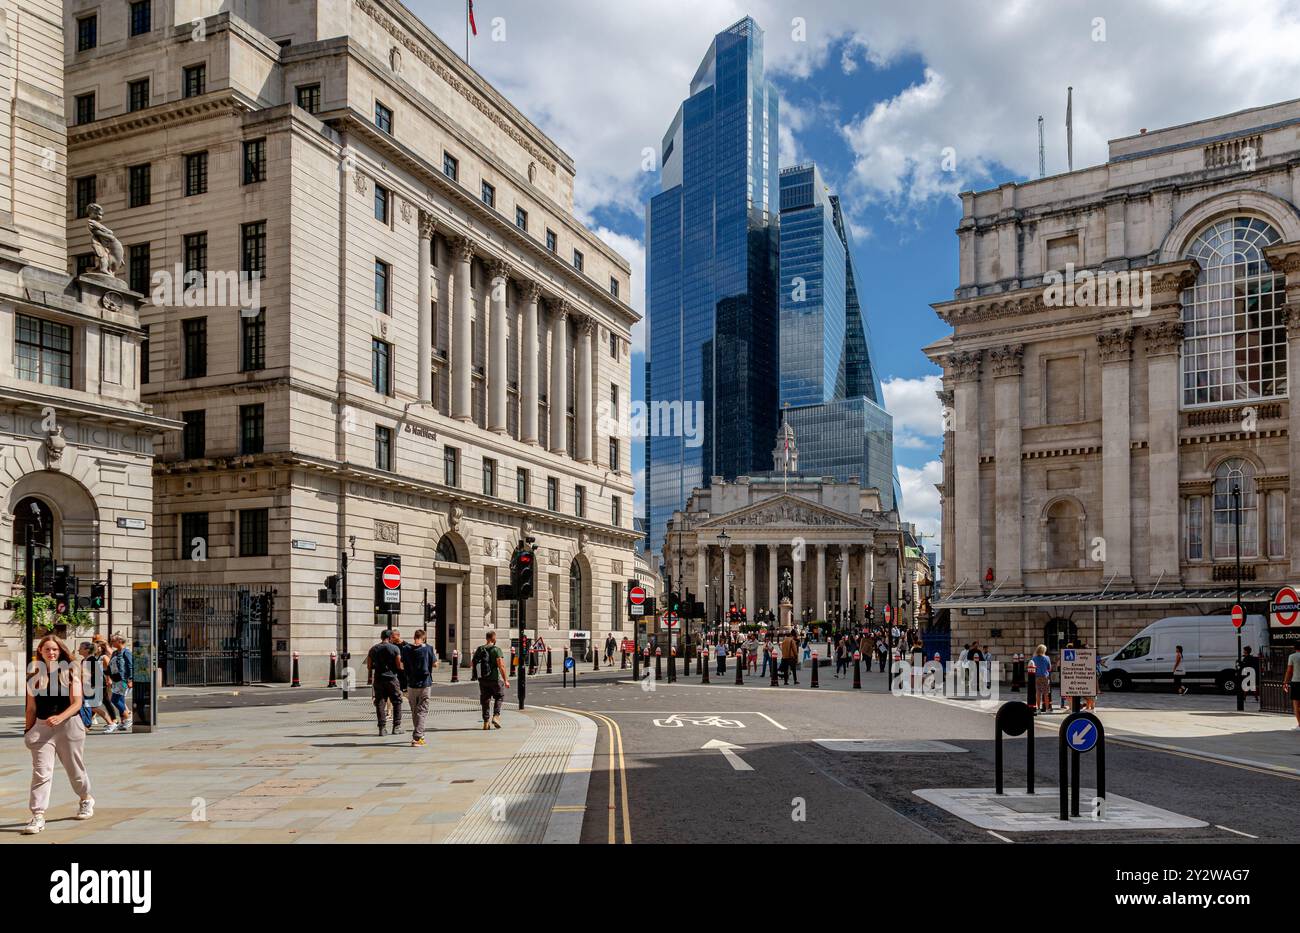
{"x":423,"y":54}
{"x":415,"y":429}
{"x":131,"y":524}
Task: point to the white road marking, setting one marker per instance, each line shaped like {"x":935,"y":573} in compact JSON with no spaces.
{"x":729,"y":752}
{"x":1000,"y":836}
{"x":648,"y":712}
{"x":1229,"y":829}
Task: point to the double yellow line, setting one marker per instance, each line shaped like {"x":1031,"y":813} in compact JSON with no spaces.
{"x":615,"y":755}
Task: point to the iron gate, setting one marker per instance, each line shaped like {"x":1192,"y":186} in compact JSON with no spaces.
{"x":1272,"y":668}
{"x":214,"y":634}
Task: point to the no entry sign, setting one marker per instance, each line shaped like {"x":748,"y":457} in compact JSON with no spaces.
{"x":636,"y":597}
{"x":1238,"y":617}
{"x":388,"y":583}
{"x":1285,"y":608}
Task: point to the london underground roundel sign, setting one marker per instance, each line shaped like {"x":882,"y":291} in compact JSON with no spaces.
{"x":1285,"y":609}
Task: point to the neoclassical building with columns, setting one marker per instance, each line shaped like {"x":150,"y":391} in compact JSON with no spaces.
{"x":754,"y":542}
{"x":1094,"y":443}
{"x":433,"y":334}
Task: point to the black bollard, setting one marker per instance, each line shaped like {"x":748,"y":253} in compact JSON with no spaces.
{"x":813,"y":682}
{"x":636,"y":665}
{"x":548,"y":660}
{"x":672,"y":666}
{"x":686,"y":662}
{"x":857,"y":670}
{"x":564,"y":669}
{"x":455,"y":666}
{"x":740,"y":669}
{"x":334,"y":659}
{"x":704,"y":665}
{"x":1014,"y":718}
{"x":296,"y":682}
{"x":595,"y":659}
{"x":623,"y":655}
{"x":774,"y":683}
{"x":659,"y":664}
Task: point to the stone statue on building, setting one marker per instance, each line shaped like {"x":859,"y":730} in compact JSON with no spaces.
{"x":110,"y":259}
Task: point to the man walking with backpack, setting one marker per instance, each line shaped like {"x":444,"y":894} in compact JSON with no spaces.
{"x":490,"y":664}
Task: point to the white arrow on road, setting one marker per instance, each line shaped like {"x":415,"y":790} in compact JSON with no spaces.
{"x":1082,"y":735}
{"x":729,"y":752}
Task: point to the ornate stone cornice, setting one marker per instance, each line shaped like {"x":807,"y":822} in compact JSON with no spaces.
{"x":1164,"y":338}
{"x":1008,"y":360}
{"x":1284,"y":258}
{"x":964,"y":366}
{"x":1116,"y":346}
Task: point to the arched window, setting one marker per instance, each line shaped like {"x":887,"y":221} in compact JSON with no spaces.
{"x":34,"y":514}
{"x":1227,"y":475}
{"x":1234,"y":344}
{"x":1063,"y":535}
{"x":447,"y":550}
{"x":575,"y":596}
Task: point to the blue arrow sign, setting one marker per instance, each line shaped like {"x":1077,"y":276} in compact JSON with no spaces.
{"x":1081,"y":735}
{"x":568,"y":664}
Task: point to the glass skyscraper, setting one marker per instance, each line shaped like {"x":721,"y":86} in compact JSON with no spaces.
{"x":711,"y":276}
{"x":829,"y":390}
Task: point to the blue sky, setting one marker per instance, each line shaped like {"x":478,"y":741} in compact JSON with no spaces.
{"x":878,"y":92}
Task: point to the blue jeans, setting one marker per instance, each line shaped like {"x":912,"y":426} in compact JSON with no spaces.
{"x":119,"y":703}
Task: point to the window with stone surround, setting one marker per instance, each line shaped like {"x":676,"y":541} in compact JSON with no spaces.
{"x":1229,"y":475}
{"x":1234,"y":344}
{"x":1194,"y":527}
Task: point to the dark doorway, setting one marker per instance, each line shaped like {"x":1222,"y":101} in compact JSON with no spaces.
{"x":440,"y":625}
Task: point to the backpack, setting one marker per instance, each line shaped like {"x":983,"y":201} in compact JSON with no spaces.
{"x":483,"y":661}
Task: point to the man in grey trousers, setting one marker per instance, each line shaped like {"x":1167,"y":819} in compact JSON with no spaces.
{"x":418,"y":660}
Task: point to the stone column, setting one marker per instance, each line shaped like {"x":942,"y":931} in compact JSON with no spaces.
{"x":797,"y":561}
{"x":528,"y":367}
{"x":1163,"y":342}
{"x":819,"y":601}
{"x":845,"y":608}
{"x":498,"y":373}
{"x":1115,"y":348}
{"x":773,"y":552}
{"x":424,"y":298}
{"x":702,"y":573}
{"x":1008,"y":367}
{"x":750,"y":603}
{"x":582,"y":404}
{"x":964,"y":375}
{"x":558,"y":400}
{"x":462,"y":360}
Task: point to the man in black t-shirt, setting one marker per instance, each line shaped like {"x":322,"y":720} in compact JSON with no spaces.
{"x":385,"y":664}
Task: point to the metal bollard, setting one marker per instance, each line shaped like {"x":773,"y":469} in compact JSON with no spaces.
{"x":686,"y":662}
{"x":672,"y":665}
{"x":623,"y":655}
{"x":334,"y":660}
{"x":704,"y":665}
{"x":548,"y":660}
{"x":813,"y":682}
{"x":636,"y":665}
{"x":296,"y":682}
{"x":740,"y":669}
{"x":564,"y":669}
{"x":595,"y":659}
{"x":455,"y":665}
{"x":857,"y":670}
{"x":774,"y":681}
{"x":659,"y":664}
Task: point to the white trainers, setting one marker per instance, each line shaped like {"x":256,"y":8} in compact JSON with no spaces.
{"x":112,"y":727}
{"x":35,"y":825}
{"x":87,"y":809}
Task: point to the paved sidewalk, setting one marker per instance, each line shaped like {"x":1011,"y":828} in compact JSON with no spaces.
{"x":318,"y":772}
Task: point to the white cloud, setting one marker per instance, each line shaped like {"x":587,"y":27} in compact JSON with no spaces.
{"x":921,"y":498}
{"x":917,"y":412}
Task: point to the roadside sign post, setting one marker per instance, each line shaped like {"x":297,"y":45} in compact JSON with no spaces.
{"x":1078,"y":674}
{"x":1080,"y":733}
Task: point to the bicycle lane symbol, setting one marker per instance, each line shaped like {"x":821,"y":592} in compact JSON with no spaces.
{"x":678,"y":720}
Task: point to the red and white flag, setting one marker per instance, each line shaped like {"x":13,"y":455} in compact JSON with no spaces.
{"x":472,"y":25}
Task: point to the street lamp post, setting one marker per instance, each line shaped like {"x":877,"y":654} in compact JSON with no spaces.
{"x":1236,"y":520}
{"x":724,"y":542}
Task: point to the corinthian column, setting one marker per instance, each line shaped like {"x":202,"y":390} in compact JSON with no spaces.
{"x":498,"y":375}
{"x":462,"y":359}
{"x":750,"y":603}
{"x":558,"y":400}
{"x":424,"y":334}
{"x":772,"y":552}
{"x":583,"y":402}
{"x":528,"y":368}
{"x":819,"y":602}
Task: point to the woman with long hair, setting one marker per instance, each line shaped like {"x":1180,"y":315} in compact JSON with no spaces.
{"x":53,"y":728}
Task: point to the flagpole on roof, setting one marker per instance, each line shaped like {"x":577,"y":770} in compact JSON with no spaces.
{"x":469,"y":4}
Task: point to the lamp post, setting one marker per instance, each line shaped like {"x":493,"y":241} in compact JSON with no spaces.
{"x":30,"y":561}
{"x":724,"y":542}
{"x":1236,"y":521}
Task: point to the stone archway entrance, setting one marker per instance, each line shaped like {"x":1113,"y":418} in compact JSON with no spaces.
{"x":451,"y":582}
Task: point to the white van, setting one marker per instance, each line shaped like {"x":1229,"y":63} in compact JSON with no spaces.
{"x":1209,"y":652}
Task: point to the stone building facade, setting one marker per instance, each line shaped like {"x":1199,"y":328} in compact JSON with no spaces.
{"x":76,"y":444}
{"x":1118,"y":364}
{"x":434,"y":342}
{"x":825,"y":545}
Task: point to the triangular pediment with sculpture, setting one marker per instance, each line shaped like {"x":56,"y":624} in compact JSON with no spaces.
{"x":787,"y":511}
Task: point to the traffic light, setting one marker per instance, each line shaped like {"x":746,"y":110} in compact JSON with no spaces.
{"x":62,"y":578}
{"x":330,"y":592}
{"x":521,"y":571}
{"x":430,"y":614}
{"x":98,"y":595}
{"x":674,"y":603}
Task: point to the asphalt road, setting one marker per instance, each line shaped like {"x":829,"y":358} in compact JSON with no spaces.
{"x":791,"y":789}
